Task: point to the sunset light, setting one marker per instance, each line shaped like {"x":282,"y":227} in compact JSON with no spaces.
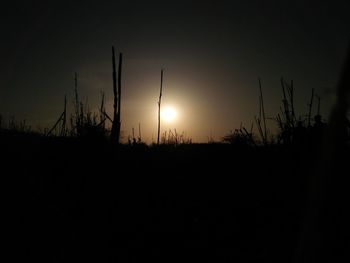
{"x":153,"y":130}
{"x":168,"y":114}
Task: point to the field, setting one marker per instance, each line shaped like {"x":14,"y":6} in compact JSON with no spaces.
{"x":72,"y":199}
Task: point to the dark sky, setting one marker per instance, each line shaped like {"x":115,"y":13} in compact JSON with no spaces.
{"x":212,"y":51}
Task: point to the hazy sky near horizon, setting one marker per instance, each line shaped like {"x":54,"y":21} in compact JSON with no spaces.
{"x":212,"y":51}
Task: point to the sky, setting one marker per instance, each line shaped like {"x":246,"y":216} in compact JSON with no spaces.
{"x":212,"y":53}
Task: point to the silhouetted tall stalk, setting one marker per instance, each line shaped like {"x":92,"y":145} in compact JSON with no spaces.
{"x":262,"y":130}
{"x":79,"y":110}
{"x":119,"y":93}
{"x":64,"y":117}
{"x":310,"y":108}
{"x":116,"y":124}
{"x":291,"y":92}
{"x":115,"y":104}
{"x":76,"y":93}
{"x":263,"y":110}
{"x":62,"y":120}
{"x":140,"y":138}
{"x":286,"y":120}
{"x":288,"y":104}
{"x":159,"y":103}
{"x":318,"y":104}
{"x":102,"y":111}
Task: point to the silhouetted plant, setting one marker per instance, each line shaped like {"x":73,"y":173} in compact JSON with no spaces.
{"x":261,"y":126}
{"x":310,"y":108}
{"x":240,"y":137}
{"x":84,"y":122}
{"x":103,"y":113}
{"x":17,"y":126}
{"x":90,"y":125}
{"x":116,"y":124}
{"x":304,"y":131}
{"x":133,"y":136}
{"x":174,"y":138}
{"x":139,"y":139}
{"x":12,"y":123}
{"x":210,"y":139}
{"x":61,"y":122}
{"x":286,"y":119}
{"x":159,"y":103}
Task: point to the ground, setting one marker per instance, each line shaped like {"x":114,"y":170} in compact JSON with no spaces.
{"x":77,"y":200}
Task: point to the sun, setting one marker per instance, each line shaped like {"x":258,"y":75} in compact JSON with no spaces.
{"x":168,"y":114}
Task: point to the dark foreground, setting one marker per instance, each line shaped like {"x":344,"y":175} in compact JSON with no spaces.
{"x":71,"y":200}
